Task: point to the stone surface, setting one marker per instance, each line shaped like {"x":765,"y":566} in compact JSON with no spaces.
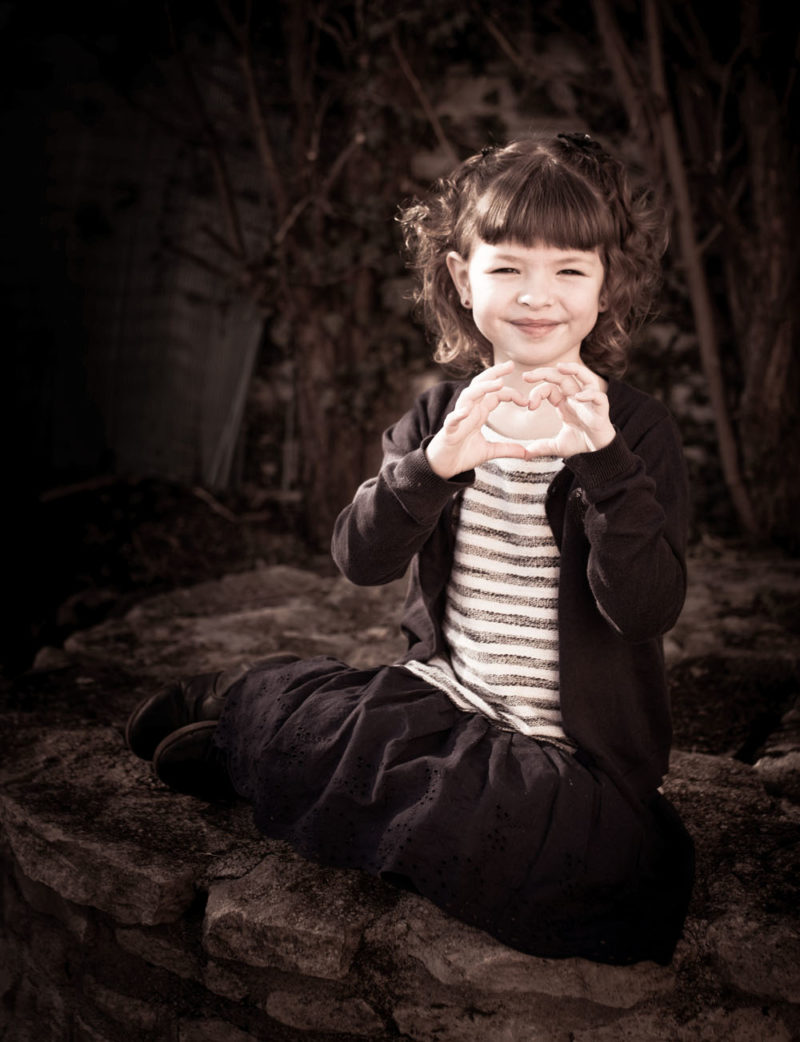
{"x":458,"y":955}
{"x":131,"y":912}
{"x":757,"y":956}
{"x":290,"y":914}
{"x":314,"y":1010}
{"x":779,"y":766}
{"x":81,"y":821}
{"x":212,"y":1031}
{"x":160,"y":951}
{"x":132,"y":1013}
{"x":751,"y":1024}
{"x":249,"y":615}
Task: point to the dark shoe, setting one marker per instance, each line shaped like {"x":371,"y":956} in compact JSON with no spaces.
{"x":184,"y":702}
{"x":189,"y":762}
{"x":180,"y":703}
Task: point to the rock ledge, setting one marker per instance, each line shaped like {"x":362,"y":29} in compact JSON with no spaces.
{"x":130,"y":912}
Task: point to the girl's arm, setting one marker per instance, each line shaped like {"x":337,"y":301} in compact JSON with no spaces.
{"x":393,"y":514}
{"x":636,"y":503}
{"x":632,"y":494}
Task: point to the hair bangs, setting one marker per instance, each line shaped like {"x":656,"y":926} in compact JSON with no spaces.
{"x":554,"y":208}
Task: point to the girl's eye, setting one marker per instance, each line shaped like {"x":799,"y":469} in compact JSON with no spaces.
{"x":504,"y":271}
{"x":570,"y":271}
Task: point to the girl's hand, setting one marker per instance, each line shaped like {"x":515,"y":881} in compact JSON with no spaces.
{"x":460,"y":445}
{"x":579,"y":396}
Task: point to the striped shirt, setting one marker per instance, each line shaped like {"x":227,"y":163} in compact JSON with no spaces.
{"x":501,"y":615}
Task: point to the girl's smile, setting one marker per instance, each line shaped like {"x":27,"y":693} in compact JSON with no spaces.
{"x":534,"y":304}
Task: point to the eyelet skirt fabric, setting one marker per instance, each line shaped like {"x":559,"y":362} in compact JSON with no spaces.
{"x":377,"y":770}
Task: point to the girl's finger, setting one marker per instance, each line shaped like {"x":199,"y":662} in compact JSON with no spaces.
{"x":542,"y":447}
{"x":506,"y":450}
{"x":476,"y":392}
{"x":581,"y":373}
{"x":567,"y":382}
{"x":539,"y":393}
{"x":590,"y":394}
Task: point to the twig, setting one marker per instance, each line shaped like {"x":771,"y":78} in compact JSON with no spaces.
{"x":706,"y":241}
{"x":505,"y":44}
{"x":622,"y":67}
{"x":337,"y":166}
{"x":219,"y":240}
{"x":216,"y":153}
{"x":89,"y":485}
{"x":422,"y":97}
{"x":695,"y":275}
{"x":241,"y":36}
{"x":207,"y":265}
{"x":215,"y":505}
{"x":719,"y":122}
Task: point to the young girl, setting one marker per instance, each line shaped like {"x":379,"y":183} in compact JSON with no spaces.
{"x":508,"y":769}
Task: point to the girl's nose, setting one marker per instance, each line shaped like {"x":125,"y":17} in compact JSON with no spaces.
{"x":536,"y":294}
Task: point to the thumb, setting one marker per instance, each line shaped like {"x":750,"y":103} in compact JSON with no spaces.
{"x":506,"y":450}
{"x":542,"y":447}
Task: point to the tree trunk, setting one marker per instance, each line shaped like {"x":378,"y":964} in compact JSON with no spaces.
{"x":762,"y":276}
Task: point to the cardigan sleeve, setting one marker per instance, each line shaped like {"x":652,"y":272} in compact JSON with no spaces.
{"x":635,"y":497}
{"x":393,"y":514}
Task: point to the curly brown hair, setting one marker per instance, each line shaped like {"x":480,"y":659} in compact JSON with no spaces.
{"x":564,"y":191}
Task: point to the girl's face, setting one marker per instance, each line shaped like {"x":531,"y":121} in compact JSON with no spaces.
{"x":534,"y":304}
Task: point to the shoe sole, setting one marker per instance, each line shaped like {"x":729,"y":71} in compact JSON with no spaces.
{"x":200,"y":783}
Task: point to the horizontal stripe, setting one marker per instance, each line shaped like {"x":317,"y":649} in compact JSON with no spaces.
{"x":515,"y":535}
{"x":541,"y":658}
{"x":536,"y":723}
{"x":515,"y":619}
{"x":520,"y":559}
{"x":478,"y":570}
{"x":510,"y":495}
{"x":501,"y":614}
{"x":461,"y":619}
{"x":489,"y":505}
{"x":492,"y":589}
{"x":496,"y":472}
{"x":542,"y":643}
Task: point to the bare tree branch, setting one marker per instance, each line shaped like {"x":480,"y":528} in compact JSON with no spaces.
{"x":201,"y":261}
{"x":696,"y":277}
{"x":504,"y":43}
{"x":422,"y":97}
{"x":317,"y":198}
{"x":272,"y":177}
{"x":626,"y":76}
{"x":216,"y":153}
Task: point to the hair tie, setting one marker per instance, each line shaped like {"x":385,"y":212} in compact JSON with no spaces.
{"x":583,"y":143}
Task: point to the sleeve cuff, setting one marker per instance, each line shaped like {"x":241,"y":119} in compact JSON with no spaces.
{"x":421,"y":491}
{"x":607,"y":464}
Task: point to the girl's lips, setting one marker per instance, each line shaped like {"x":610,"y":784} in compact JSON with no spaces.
{"x":534,"y":325}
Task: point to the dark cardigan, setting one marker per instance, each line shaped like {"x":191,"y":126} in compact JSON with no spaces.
{"x":619,"y":516}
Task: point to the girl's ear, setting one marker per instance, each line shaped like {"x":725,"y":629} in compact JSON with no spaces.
{"x":459,"y":273}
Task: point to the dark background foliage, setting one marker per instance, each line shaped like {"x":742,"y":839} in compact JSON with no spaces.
{"x":205,"y":296}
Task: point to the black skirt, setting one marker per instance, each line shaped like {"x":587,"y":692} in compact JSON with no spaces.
{"x":378,"y":770}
